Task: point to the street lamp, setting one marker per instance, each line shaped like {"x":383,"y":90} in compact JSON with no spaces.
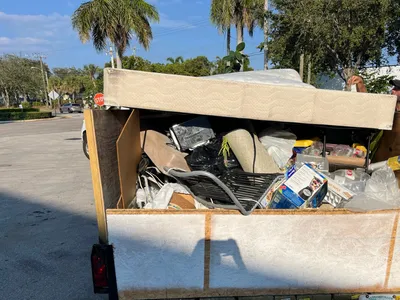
{"x":45,"y":83}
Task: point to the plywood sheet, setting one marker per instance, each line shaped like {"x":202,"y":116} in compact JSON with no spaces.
{"x":247,"y":100}
{"x":129,"y":155}
{"x":323,"y":252}
{"x":289,"y":252}
{"x":102,"y":130}
{"x":157,"y":252}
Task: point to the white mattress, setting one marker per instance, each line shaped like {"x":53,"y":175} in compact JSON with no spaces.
{"x":275,"y":95}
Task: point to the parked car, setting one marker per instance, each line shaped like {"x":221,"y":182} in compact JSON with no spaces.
{"x":71,"y":108}
{"x":84,"y":140}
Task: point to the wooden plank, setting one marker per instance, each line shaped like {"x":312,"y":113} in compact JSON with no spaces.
{"x":235,"y":212}
{"x":129,"y":155}
{"x":102,"y":130}
{"x":180,"y":293}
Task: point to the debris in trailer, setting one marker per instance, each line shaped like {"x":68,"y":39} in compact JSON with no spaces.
{"x":200,"y":166}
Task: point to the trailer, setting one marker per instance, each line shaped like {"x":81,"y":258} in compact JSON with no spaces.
{"x":202,"y":253}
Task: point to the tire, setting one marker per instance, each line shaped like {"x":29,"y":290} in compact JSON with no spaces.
{"x":85,"y":145}
{"x":70,"y":111}
{"x":61,"y":111}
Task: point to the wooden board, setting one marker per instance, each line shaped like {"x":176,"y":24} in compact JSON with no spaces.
{"x":278,"y":252}
{"x":129,"y":154}
{"x":102,"y":130}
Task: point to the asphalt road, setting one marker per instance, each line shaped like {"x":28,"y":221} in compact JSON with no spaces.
{"x":47,"y":215}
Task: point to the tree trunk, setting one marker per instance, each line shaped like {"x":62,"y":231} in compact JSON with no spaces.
{"x":266,"y":37}
{"x":239,"y":32}
{"x":7,"y":98}
{"x":25,"y":98}
{"x":228,"y":40}
{"x":119,"y":62}
{"x":348,"y":72}
{"x":301,"y":69}
{"x":309,"y":70}
{"x":239,"y":37}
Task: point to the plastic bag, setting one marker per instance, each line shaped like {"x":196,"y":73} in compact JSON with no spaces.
{"x":208,"y":158}
{"x":364,"y":202}
{"x":164,"y":195}
{"x":279,"y":144}
{"x":354,"y":180}
{"x":383,"y":185}
{"x":381,"y":192}
{"x":315,"y":149}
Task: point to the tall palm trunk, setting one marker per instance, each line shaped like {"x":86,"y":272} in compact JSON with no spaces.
{"x":119,"y":62}
{"x":228,"y":40}
{"x":266,"y":36}
{"x":239,"y":32}
{"x":239,"y":37}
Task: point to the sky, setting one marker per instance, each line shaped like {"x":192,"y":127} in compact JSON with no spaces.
{"x":44,"y":27}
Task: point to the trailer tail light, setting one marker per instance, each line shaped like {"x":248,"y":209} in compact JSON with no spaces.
{"x":103,"y":271}
{"x":99,"y":269}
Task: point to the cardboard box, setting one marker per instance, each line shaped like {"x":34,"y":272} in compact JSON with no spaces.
{"x":337,"y":194}
{"x":181,"y":201}
{"x":305,"y":188}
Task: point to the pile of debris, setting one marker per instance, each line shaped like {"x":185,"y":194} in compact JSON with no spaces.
{"x":220,"y":163}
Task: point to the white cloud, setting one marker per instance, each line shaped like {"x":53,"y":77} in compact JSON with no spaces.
{"x":31,"y":32}
{"x":166,"y":22}
{"x":33,"y":18}
{"x":5,"y":41}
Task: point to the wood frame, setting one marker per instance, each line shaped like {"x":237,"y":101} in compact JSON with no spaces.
{"x":102,"y":130}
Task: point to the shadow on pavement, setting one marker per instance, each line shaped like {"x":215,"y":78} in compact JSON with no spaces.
{"x":44,"y":252}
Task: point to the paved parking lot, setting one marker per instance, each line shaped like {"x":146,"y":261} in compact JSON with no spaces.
{"x":47,"y":216}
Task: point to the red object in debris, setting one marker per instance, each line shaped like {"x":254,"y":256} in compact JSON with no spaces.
{"x":99,"y":99}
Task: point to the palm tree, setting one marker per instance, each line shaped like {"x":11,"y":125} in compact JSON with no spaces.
{"x":241,"y":13}
{"x":221,"y":15}
{"x":72,"y":85}
{"x":115,"y":20}
{"x":92,"y":70}
{"x":177,"y":60}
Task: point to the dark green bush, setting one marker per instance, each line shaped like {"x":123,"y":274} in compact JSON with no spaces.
{"x":37,"y":103}
{"x":10,"y":116}
{"x":31,"y":109}
{"x":26,"y":105}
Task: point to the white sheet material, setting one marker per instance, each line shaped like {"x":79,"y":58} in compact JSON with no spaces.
{"x":295,"y":252}
{"x":279,"y":77}
{"x":157,"y":251}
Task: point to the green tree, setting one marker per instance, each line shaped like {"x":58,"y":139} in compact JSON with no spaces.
{"x":335,"y":36}
{"x":240,"y":13}
{"x":177,"y":60}
{"x":115,"y":20}
{"x":221,"y":15}
{"x":62,"y":73}
{"x":55,"y":83}
{"x":92,"y":71}
{"x":72,"y":85}
{"x":376,"y":84}
{"x":20,"y":78}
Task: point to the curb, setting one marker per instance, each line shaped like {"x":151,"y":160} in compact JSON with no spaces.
{"x":35,"y":120}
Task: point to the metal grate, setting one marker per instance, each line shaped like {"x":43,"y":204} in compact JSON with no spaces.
{"x":233,"y":190}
